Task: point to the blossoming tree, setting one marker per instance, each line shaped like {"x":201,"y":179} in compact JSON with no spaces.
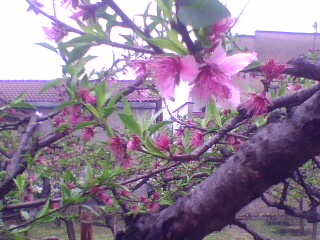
{"x":202,"y":173}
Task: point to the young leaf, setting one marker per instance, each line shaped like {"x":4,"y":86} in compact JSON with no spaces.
{"x":22,"y":104}
{"x":168,"y":44}
{"x":77,"y":53}
{"x":127,"y":106}
{"x":157,"y":126}
{"x":130,"y":123}
{"x":165,"y":8}
{"x":51,"y":84}
{"x":47,"y":46}
{"x":85,"y":125}
{"x":201,"y":13}
{"x":213,"y":113}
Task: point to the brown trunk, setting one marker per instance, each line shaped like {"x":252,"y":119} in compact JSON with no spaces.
{"x":301,"y":220}
{"x":86,"y":225}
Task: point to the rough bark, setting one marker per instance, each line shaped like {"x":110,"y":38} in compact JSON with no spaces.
{"x":268,"y":158}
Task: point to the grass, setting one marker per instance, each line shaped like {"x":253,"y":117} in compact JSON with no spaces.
{"x":45,"y":230}
{"x":280,"y":230}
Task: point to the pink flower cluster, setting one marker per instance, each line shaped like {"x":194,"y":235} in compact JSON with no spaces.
{"x":56,"y":33}
{"x":209,"y":79}
{"x":102,"y":195}
{"x":119,"y":147}
{"x":73,"y":116}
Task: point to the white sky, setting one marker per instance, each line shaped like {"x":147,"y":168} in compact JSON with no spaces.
{"x":21,"y":59}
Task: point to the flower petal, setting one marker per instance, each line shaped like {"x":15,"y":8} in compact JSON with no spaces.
{"x":189,"y":68}
{"x":235,"y":63}
{"x":233,"y":101}
{"x":217,"y":56}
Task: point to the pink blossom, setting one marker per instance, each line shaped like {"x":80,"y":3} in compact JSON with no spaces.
{"x":135,"y":208}
{"x":56,"y":33}
{"x":214,"y":78}
{"x":87,"y":12}
{"x":168,"y":70}
{"x":28,"y":197}
{"x":145,"y":199}
{"x":221,"y":28}
{"x":257,"y":104}
{"x":168,"y":174}
{"x":74,"y":3}
{"x":272,"y":70}
{"x":125,"y":193}
{"x":154,"y":207}
{"x":180,"y":132}
{"x":156,"y":196}
{"x":157,"y":164}
{"x":87,"y":97}
{"x":96,"y":190}
{"x":235,"y":142}
{"x":128,"y":162}
{"x":106,"y":198}
{"x":88,"y":134}
{"x":56,"y":205}
{"x":71,"y":185}
{"x":140,"y":68}
{"x":197,"y":139}
{"x":164,"y":142}
{"x":75,"y":119}
{"x":134,"y":144}
{"x":43,"y":161}
{"x":118,"y":147}
{"x":33,"y":178}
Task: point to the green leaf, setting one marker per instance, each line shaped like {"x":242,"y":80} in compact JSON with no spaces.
{"x":22,"y":105}
{"x":51,"y":84}
{"x":157,"y":126}
{"x":165,"y":8}
{"x":26,"y":216}
{"x":66,"y":105}
{"x":77,"y":53}
{"x":93,"y":110}
{"x":130,"y":123}
{"x":108,"y":111}
{"x":201,"y":13}
{"x":85,"y":125}
{"x":44,"y":210}
{"x":168,"y":44}
{"x":127,"y":107}
{"x":85,"y":40}
{"x":47,"y":46}
{"x":20,"y":181}
{"x":213,"y":113}
{"x":253,"y":65}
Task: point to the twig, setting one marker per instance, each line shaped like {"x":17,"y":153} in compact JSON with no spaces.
{"x":245,"y":227}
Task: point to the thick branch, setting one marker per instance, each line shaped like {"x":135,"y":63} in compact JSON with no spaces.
{"x":268,"y":158}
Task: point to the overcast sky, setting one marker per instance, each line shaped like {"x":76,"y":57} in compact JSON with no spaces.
{"x":21,"y":59}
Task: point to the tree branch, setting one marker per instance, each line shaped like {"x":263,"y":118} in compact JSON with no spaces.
{"x":266,"y":159}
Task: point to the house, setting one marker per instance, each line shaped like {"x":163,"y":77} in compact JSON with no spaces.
{"x":45,"y":102}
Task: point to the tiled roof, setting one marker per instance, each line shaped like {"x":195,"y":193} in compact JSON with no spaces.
{"x":11,"y":89}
